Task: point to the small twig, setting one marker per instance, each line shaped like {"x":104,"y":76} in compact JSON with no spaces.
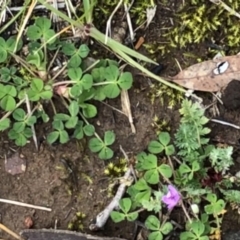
{"x":91,"y":66}
{"x":108,"y":28}
{"x":131,"y":167}
{"x":171,"y":165}
{"x":185,"y":211}
{"x":113,"y":108}
{"x":58,"y":73}
{"x":130,"y":28}
{"x":32,"y":126}
{"x":177,"y":160}
{"x":103,"y":216}
{"x":53,"y":59}
{"x":70,"y":8}
{"x":16,"y":9}
{"x":225,"y":123}
{"x":10,"y":232}
{"x":25,"y":21}
{"x":25,"y":205}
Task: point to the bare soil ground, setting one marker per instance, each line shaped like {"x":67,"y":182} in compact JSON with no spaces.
{"x":46,"y":181}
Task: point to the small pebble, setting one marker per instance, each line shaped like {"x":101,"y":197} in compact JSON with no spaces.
{"x":28,"y":222}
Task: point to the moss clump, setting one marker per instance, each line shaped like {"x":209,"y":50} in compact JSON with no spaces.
{"x":118,"y":169}
{"x":163,"y":92}
{"x":199,"y":21}
{"x":76,"y":223}
{"x":160,"y":125}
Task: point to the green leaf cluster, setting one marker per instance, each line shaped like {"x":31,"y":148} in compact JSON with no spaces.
{"x":125,"y":205}
{"x":196,"y":232}
{"x":7,"y":48}
{"x":21,"y":130}
{"x":157,"y":229}
{"x":101,"y":147}
{"x":109,"y":81}
{"x":152,"y":169}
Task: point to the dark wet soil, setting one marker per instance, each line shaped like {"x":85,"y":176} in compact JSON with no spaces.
{"x":47,"y":182}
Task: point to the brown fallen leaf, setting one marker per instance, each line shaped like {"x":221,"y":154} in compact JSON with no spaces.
{"x":210,"y":76}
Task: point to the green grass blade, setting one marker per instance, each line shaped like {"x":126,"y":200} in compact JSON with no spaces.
{"x":135,"y":64}
{"x":114,"y":45}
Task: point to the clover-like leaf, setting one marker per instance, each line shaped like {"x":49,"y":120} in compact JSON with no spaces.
{"x":52,"y":137}
{"x":4,"y":124}
{"x":109,"y":138}
{"x":125,"y":204}
{"x":73,"y":108}
{"x":75,"y":74}
{"x":117,"y":216}
{"x":155,"y":147}
{"x":152,"y":176}
{"x":125,"y":80}
{"x":83,"y":51}
{"x":95,"y":145}
{"x":8,"y":103}
{"x":165,"y":170}
{"x":89,"y":110}
{"x":152,"y":223}
{"x":111,"y":90}
{"x":106,"y":153}
{"x":164,"y":138}
{"x":111,"y":73}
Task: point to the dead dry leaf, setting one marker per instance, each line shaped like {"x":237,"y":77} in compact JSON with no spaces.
{"x":210,"y":76}
{"x":126,"y":108}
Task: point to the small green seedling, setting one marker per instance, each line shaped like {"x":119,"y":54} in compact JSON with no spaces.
{"x":162,"y":145}
{"x":7,"y":97}
{"x":186,"y":170}
{"x":140,"y":191}
{"x":21,"y":130}
{"x":39,"y":91}
{"x":64,"y":121}
{"x":149,"y":163}
{"x":82,"y":82}
{"x":96,"y":145}
{"x":196,"y":232}
{"x":216,"y":206}
{"x":125,"y":205}
{"x":76,"y":54}
{"x":7,"y":48}
{"x":157,"y":229}
{"x":41,"y":30}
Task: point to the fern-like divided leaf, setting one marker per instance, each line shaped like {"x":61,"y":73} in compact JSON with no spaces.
{"x":191,"y":135}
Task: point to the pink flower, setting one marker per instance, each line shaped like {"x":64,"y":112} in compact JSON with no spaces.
{"x":172,"y":197}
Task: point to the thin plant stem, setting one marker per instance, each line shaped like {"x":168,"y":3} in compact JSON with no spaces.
{"x":26,"y":18}
{"x":59,"y":72}
{"x":32,"y":126}
{"x":10,"y":232}
{"x":185,"y":212}
{"x":25,"y":205}
{"x":64,"y":83}
{"x":53,"y":107}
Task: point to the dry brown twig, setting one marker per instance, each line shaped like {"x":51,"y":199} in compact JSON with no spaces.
{"x":25,"y":205}
{"x":126,"y":108}
{"x":10,"y":232}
